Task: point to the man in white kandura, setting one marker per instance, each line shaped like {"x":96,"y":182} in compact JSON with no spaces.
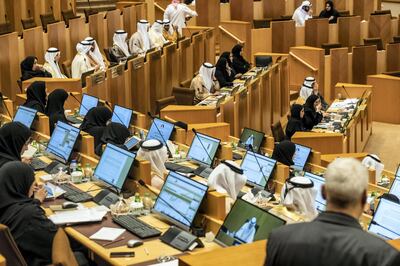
{"x":51,"y":65}
{"x":178,"y":13}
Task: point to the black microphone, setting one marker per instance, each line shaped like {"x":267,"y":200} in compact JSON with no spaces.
{"x":202,"y":145}
{"x":181,"y":124}
{"x":109,"y":105}
{"x":159,"y":132}
{"x":76,"y":99}
{"x":258,"y":163}
{"x":5,"y":106}
{"x":344,"y":88}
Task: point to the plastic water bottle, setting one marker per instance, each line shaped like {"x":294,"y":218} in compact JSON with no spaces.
{"x":73,"y":166}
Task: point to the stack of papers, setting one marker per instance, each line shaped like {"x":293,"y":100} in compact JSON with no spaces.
{"x":107,"y":233}
{"x":94,"y":214}
{"x":53,"y":191}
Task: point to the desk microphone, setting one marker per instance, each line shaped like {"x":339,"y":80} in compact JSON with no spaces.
{"x":181,"y":124}
{"x":202,"y":145}
{"x":344,"y":88}
{"x":5,"y":106}
{"x":258,"y":163}
{"x":109,"y":105}
{"x":76,"y":99}
{"x":159,"y":132}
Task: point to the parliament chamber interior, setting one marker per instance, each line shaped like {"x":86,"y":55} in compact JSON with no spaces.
{"x":199,"y":132}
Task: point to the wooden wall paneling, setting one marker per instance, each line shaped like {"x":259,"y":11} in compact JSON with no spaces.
{"x":156,"y":86}
{"x":97,"y":29}
{"x":242,"y":10}
{"x":139,"y":86}
{"x":9,"y":65}
{"x":186,"y":70}
{"x":363,"y":8}
{"x":341,"y":4}
{"x":209,"y":45}
{"x":15,"y":10}
{"x":255,"y":113}
{"x":209,"y":13}
{"x":266,"y":102}
{"x":78,"y":31}
{"x":198,"y":44}
{"x":393,"y":57}
{"x":339,"y":69}
{"x":364,"y":63}
{"x":349,"y":31}
{"x":242,"y":30}
{"x":283,"y":36}
{"x":57,"y":37}
{"x":130,"y":19}
{"x":98,"y":88}
{"x":116,"y":85}
{"x":380,"y":26}
{"x":227,"y":111}
{"x":284,"y":83}
{"x":33,"y":43}
{"x":242,"y":109}
{"x":316,"y":32}
{"x":274,"y":8}
{"x":171,"y":65}
{"x":275,"y":94}
{"x":114,"y":22}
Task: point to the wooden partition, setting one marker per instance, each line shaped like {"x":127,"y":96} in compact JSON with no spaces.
{"x":241,"y":30}
{"x":274,"y":9}
{"x":255,"y":105}
{"x":97,"y":85}
{"x":209,"y":44}
{"x":157,"y":88}
{"x":363,"y":8}
{"x":349,"y":31}
{"x":190,"y":114}
{"x":242,"y":10}
{"x":283,"y":36}
{"x":266,"y":102}
{"x":139,"y":85}
{"x":130,"y":19}
{"x":118,"y":83}
{"x":114,"y":22}
{"x":326,"y":143}
{"x":209,"y":13}
{"x":78,"y":31}
{"x":170,"y":66}
{"x":33,"y":43}
{"x":316,"y":32}
{"x":284,"y":86}
{"x":339,"y":64}
{"x":198,"y":44}
{"x":97,"y":29}
{"x":227,"y":114}
{"x":57,"y":37}
{"x":186,"y":70}
{"x":242,"y":109}
{"x":380,"y":26}
{"x":9,"y":64}
{"x":364,"y":63}
{"x":393,"y":57}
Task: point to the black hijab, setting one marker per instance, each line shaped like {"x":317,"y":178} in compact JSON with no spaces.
{"x":295,"y":111}
{"x":227,"y":56}
{"x":115,"y":133}
{"x":13,"y":136}
{"x":329,"y":13}
{"x":95,"y":122}
{"x":284,"y":152}
{"x":27,"y":69}
{"x":295,"y":122}
{"x":36,"y":97}
{"x":27,"y":63}
{"x":310,"y":102}
{"x":239,"y":64}
{"x":55,"y":107}
{"x":221,"y":73}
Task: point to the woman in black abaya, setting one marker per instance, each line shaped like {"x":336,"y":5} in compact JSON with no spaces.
{"x":55,"y":107}
{"x":115,"y":133}
{"x":95,"y":122}
{"x":13,"y":137}
{"x":36,"y":97}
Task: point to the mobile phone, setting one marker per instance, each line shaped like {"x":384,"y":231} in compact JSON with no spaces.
{"x":122,"y":254}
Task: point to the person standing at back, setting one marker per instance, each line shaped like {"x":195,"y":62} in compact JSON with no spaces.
{"x":302,"y":13}
{"x":178,"y":13}
{"x":330,"y":12}
{"x":335,"y":237}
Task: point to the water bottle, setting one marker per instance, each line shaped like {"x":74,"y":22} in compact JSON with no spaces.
{"x":73,"y":166}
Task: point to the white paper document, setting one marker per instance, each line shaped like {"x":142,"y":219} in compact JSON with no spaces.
{"x":107,"y":233}
{"x":95,"y":214}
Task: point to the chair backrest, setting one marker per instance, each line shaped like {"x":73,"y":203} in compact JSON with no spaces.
{"x":263,"y":60}
{"x":329,"y":46}
{"x":66,"y":66}
{"x":28,"y":23}
{"x":164,"y":102}
{"x":186,"y":83}
{"x":46,"y":19}
{"x":261,"y":23}
{"x":277,"y":132}
{"x":374,"y":41}
{"x":67,"y":15}
{"x":61,"y":250}
{"x":184,"y":96}
{"x":110,"y":56}
{"x":89,"y":12}
{"x":5,"y":28}
{"x":9,"y":249}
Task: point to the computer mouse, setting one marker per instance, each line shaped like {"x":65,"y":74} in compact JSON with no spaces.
{"x":69,"y":205}
{"x":133,"y":243}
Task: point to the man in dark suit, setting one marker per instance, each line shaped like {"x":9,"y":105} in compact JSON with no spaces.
{"x":335,"y":237}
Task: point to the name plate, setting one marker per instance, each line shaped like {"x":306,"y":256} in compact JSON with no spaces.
{"x":117,"y":71}
{"x":98,"y":78}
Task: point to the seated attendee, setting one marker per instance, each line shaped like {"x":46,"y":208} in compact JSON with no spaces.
{"x":335,"y":237}
{"x":95,"y":122}
{"x":156,"y":34}
{"x":298,"y":195}
{"x":13,"y":142}
{"x":204,"y":83}
{"x":120,"y":50}
{"x":157,"y":154}
{"x":329,"y":12}
{"x":228,"y":56}
{"x":95,"y":54}
{"x":239,"y":64}
{"x":114,"y":133}
{"x":169,"y":31}
{"x":295,"y":122}
{"x":310,"y":86}
{"x":283,"y":152}
{"x":221,"y":73}
{"x":36,"y":97}
{"x":227,"y":181}
{"x":82,"y":62}
{"x":51,"y":65}
{"x":140,"y":43}
{"x":31,"y":69}
{"x":373,"y":162}
{"x":179,"y":13}
{"x":55,"y":107}
{"x":312,"y":112}
{"x":302,"y":13}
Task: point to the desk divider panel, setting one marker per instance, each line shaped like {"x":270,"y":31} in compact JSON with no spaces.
{"x":114,"y":21}
{"x":78,"y":31}
{"x":364,"y":63}
{"x":266,"y":102}
{"x":97,"y":85}
{"x":242,"y":10}
{"x":380,"y":26}
{"x":209,"y":45}
{"x":349,"y":31}
{"x":198,"y":44}
{"x":276,"y":93}
{"x":140,"y":85}
{"x":316,"y":32}
{"x":284,"y":84}
{"x":393,"y":57}
{"x":283,"y":36}
{"x":255,"y":105}
{"x":242,"y":109}
{"x":117,"y":79}
{"x":157,"y":87}
{"x":33,"y":43}
{"x":227,"y":112}
{"x":186,"y":70}
{"x":171,"y":66}
{"x":9,"y":64}
{"x":339,"y":63}
{"x":130,"y":19}
{"x":274,"y":8}
{"x":97,"y":29}
{"x":363,"y":8}
{"x":57,"y":37}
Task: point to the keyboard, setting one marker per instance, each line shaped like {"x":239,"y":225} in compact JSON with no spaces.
{"x":203,"y":171}
{"x":74,"y":120}
{"x":178,"y":168}
{"x":136,"y":226}
{"x":74,"y":194}
{"x":38,"y":164}
{"x":54,"y":166}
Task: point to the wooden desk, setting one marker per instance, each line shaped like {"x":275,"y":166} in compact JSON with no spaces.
{"x":395,"y":243}
{"x":247,"y":254}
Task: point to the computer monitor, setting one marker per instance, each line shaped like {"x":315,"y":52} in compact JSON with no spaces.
{"x":179,"y":200}
{"x":62,"y":141}
{"x":398,"y":171}
{"x":122,"y":115}
{"x":386,"y":220}
{"x":253,"y":137}
{"x":300,"y":157}
{"x":25,"y":116}
{"x":88,"y":102}
{"x":131,"y":142}
{"x":395,"y":187}
{"x":114,"y":166}
{"x":257,"y":168}
{"x":246,"y":223}
{"x":160,"y":130}
{"x":203,"y":149}
{"x":320,"y":202}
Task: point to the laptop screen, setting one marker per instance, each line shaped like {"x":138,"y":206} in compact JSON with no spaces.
{"x":25,"y":115}
{"x":251,"y":137}
{"x":300,"y":157}
{"x":62,"y":141}
{"x":114,"y":165}
{"x":179,"y":199}
{"x":395,"y":188}
{"x":122,"y":115}
{"x":257,"y":168}
{"x":88,"y":102}
{"x":320,"y":202}
{"x":160,"y":130}
{"x":386,"y":220}
{"x":247,"y":223}
{"x":203,"y":149}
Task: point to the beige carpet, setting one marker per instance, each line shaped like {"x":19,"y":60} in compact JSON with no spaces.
{"x":385,"y":142}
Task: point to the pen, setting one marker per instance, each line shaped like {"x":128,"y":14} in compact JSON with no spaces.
{"x":146,"y":251}
{"x":112,"y":242}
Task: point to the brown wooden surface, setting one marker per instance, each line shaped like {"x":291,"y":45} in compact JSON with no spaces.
{"x":33,"y":43}
{"x":393,"y":57}
{"x":97,"y":29}
{"x":114,"y":22}
{"x":363,"y":8}
{"x":171,"y":64}
{"x":190,"y":114}
{"x":198,"y":43}
{"x":364,"y":63}
{"x":349,"y":31}
{"x":274,"y":8}
{"x":339,"y":63}
{"x":326,"y":143}
{"x":283,"y":36}
{"x":130,"y":19}
{"x":380,"y":26}
{"x":316,"y":32}
{"x":139,"y":87}
{"x":78,"y":31}
{"x":242,"y":10}
{"x":9,"y":64}
{"x":156,"y":86}
{"x":209,"y":13}
{"x":57,"y":37}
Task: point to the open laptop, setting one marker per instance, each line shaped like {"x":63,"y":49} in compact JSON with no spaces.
{"x":160,"y":130}
{"x":386,"y":220}
{"x":122,"y":115}
{"x":320,"y":202}
{"x":257,"y":168}
{"x":88,"y":102}
{"x":395,"y":187}
{"x":25,"y":116}
{"x":251,"y":138}
{"x":246,"y":223}
{"x":300,"y":157}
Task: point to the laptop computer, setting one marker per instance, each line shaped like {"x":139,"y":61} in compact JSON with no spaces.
{"x":25,"y":116}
